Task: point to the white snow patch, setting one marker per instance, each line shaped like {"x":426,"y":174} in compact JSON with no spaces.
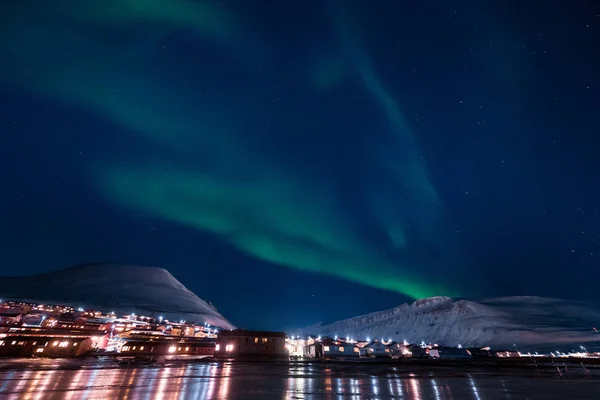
{"x":506,"y":321}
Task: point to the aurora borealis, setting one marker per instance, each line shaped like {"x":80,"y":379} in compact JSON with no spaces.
{"x":390,"y":149}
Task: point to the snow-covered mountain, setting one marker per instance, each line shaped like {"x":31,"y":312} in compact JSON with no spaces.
{"x":525,"y":322}
{"x":112,"y":287}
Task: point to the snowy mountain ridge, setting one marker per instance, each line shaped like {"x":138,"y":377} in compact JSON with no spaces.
{"x":114,"y":287}
{"x":523,"y":321}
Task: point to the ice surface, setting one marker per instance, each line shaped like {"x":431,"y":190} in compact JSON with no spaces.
{"x":123,"y":289}
{"x":501,"y":322}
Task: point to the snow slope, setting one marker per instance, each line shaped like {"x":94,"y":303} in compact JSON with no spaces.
{"x":523,"y":321}
{"x":112,"y":287}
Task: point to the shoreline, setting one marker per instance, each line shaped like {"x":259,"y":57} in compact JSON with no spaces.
{"x":421,"y":367}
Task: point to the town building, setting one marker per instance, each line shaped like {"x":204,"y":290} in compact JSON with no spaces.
{"x":331,"y":348}
{"x":399,"y":350}
{"x":239,"y":342}
{"x":417,"y":351}
{"x":449,"y":352}
{"x":166,"y":346}
{"x":375,"y":349}
{"x":506,"y":353}
{"x":44,"y":346}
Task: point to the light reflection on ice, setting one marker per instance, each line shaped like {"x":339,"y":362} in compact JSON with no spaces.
{"x":474,"y":388}
{"x":265,"y":381}
{"x":435,"y":389}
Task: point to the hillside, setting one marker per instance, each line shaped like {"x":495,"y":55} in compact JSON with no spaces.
{"x":113,"y":287}
{"x":501,"y":322}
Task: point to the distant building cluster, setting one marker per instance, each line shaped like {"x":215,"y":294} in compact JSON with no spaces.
{"x":43,"y":330}
{"x":317,"y":347}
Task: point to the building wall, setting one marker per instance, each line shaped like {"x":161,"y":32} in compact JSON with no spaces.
{"x":167,"y":348}
{"x":250,"y":343}
{"x":22,"y":346}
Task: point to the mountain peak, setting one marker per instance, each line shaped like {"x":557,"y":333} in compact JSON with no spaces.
{"x":115,"y":287}
{"x":428,"y":301}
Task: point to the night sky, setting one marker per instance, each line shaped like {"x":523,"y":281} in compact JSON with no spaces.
{"x":304,"y":161}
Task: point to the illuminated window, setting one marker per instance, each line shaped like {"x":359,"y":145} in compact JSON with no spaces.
{"x":341,"y":349}
{"x":356,"y":349}
{"x":63,"y":344}
{"x":141,"y":348}
{"x":255,"y":340}
{"x":265,"y":340}
{"x":325,"y":348}
{"x":229,"y":347}
{"x":75,"y":344}
{"x":218,"y":347}
{"x":172,"y":349}
{"x":39,"y":350}
{"x":21,"y":343}
{"x":179,"y":349}
{"x":13,"y":342}
{"x":387,"y":350}
{"x":133,"y":347}
{"x":55,"y":344}
{"x":1,"y":342}
{"x":187,"y":349}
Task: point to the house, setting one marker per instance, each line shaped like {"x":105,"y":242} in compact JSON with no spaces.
{"x":331,"y":348}
{"x":399,"y":350}
{"x":506,"y":353}
{"x":10,"y":317}
{"x":417,"y":351}
{"x":449,"y":352}
{"x":375,"y":349}
{"x":240,"y":342}
{"x":44,"y":346}
{"x":478,"y":352}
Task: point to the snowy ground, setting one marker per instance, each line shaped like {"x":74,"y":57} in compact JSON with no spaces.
{"x":55,"y":379}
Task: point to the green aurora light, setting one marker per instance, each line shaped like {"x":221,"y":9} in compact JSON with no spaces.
{"x":210,"y":181}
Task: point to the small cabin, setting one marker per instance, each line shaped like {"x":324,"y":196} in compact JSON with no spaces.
{"x":506,"y":353}
{"x":333,"y":348}
{"x":449,"y":352}
{"x":375,"y":349}
{"x":399,"y":350}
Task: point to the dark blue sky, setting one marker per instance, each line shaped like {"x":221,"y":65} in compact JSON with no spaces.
{"x":296,"y":162}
